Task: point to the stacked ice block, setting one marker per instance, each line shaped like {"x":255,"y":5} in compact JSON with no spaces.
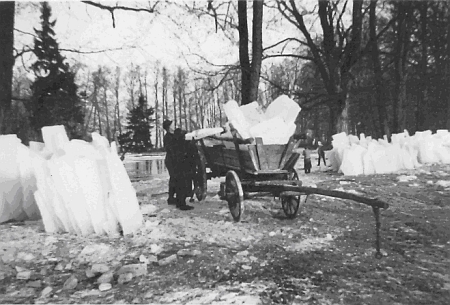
{"x":79,"y":187}
{"x":365,"y":156}
{"x":274,"y":126}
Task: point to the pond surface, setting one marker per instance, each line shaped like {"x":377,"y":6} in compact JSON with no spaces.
{"x":145,"y":169}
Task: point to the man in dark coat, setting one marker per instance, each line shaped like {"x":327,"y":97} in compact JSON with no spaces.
{"x":169,"y":141}
{"x":183,"y":175}
{"x":179,"y":163}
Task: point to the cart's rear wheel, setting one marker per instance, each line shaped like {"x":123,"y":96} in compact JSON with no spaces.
{"x":234,"y":195}
{"x":290,"y":203}
{"x":200,"y":178}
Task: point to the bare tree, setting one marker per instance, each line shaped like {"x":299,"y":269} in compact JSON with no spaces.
{"x":157,"y":129}
{"x":250,"y":71}
{"x":379,"y":92}
{"x":6,"y":60}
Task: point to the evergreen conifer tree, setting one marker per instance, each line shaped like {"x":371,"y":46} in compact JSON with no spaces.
{"x":137,"y":137}
{"x":54,"y":92}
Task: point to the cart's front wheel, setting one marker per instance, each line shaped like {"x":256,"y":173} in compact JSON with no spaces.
{"x":291,"y":203}
{"x":234,"y":194}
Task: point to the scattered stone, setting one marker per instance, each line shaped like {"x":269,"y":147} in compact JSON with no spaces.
{"x":71,"y":283}
{"x":20,"y":269}
{"x":186,"y":252}
{"x":99,"y":268}
{"x":135,"y":269}
{"x":155,"y":249}
{"x":105,"y":278}
{"x":168,"y":260}
{"x":390,"y":269}
{"x":272,"y":234}
{"x":89,"y":273}
{"x":59,"y":267}
{"x":148,"y":295}
{"x":24,"y":275}
{"x":136,"y":301}
{"x":34,"y":284}
{"x":242,"y":253}
{"x":68,"y":266}
{"x":97,"y":253}
{"x":26,"y":292}
{"x":104,"y":286}
{"x":87,"y":293}
{"x":143,"y":259}
{"x":164,"y":211}
{"x":151,"y":224}
{"x":443,"y":183}
{"x":25,"y":256}
{"x":46,"y":292}
{"x":125,"y":278}
{"x":253,"y":258}
{"x":246,"y":267}
{"x":152,"y":259}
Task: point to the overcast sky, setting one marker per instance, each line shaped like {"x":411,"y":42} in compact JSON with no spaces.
{"x":144,"y":37}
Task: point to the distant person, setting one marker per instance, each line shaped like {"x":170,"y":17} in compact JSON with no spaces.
{"x":321,"y":153}
{"x":307,"y":160}
{"x":169,"y":141}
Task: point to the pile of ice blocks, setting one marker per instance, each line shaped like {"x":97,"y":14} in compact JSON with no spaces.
{"x":365,"y":156}
{"x":78,"y":187}
{"x":275,"y":125}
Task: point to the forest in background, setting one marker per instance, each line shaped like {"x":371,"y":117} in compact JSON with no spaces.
{"x":377,"y":67}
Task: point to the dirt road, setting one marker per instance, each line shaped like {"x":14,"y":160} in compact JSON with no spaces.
{"x":324,"y":256}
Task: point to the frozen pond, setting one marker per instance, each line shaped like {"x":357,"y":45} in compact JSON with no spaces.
{"x":144,"y":167}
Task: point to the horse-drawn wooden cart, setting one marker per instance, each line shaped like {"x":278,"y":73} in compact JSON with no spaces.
{"x":256,"y":167}
{"x":249,"y":168}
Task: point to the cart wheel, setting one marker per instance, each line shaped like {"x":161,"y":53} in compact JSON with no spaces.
{"x":291,"y":204}
{"x":234,"y":194}
{"x":200,"y":178}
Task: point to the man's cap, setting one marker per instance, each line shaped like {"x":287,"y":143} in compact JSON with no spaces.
{"x":166,"y":124}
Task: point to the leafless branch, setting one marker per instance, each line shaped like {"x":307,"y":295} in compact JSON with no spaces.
{"x":111,"y":9}
{"x":283,"y":41}
{"x":289,"y":55}
{"x":95,"y":51}
{"x":25,"y":49}
{"x":26,"y":33}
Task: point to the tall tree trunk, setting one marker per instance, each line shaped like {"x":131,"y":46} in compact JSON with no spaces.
{"x":423,"y":65}
{"x":174,"y":103}
{"x":108,"y":128}
{"x":156,"y":112}
{"x":400,"y":52}
{"x":250,"y":72}
{"x":447,"y":66}
{"x":117,"y":87}
{"x":6,"y":61}
{"x":379,"y":90}
{"x":186,"y":118}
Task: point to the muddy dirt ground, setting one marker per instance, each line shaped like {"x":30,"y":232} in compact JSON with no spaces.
{"x":324,"y":256}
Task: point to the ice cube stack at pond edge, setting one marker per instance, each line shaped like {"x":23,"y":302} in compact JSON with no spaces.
{"x":381,"y":157}
{"x":82,"y":187}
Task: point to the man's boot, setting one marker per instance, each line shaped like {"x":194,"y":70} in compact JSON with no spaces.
{"x":181,"y":204}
